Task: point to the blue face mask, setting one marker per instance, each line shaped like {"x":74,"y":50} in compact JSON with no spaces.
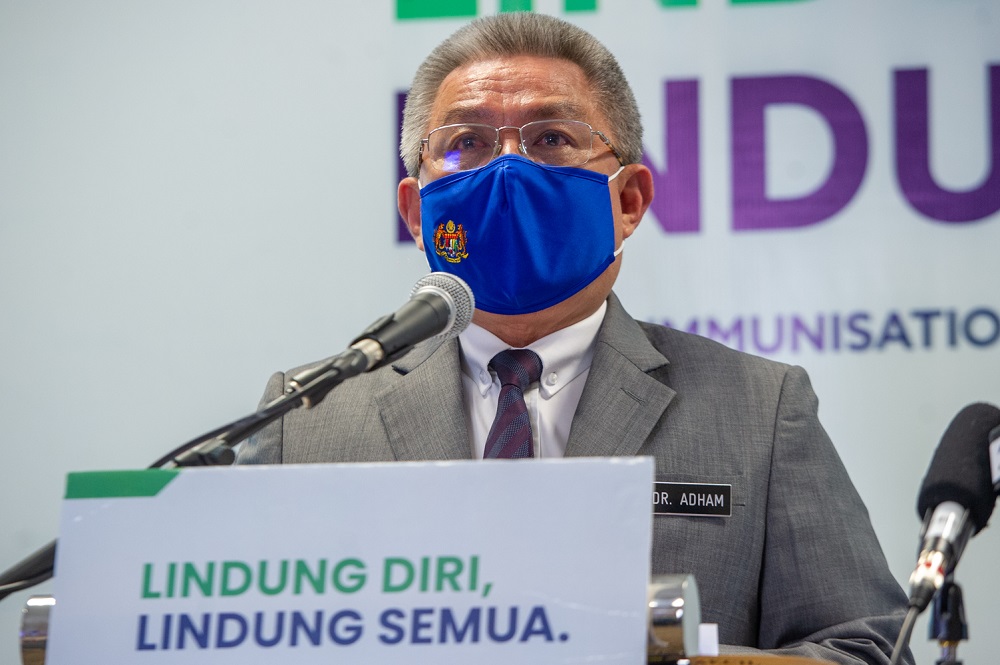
{"x":525,"y":236}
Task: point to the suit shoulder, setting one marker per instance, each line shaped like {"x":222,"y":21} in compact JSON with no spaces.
{"x":687,"y":352}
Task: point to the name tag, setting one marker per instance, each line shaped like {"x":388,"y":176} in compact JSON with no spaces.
{"x":698,"y":499}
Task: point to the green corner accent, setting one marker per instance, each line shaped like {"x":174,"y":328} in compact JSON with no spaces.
{"x":679,"y":3}
{"x":581,"y":5}
{"x":410,"y":9}
{"x":117,"y":484}
{"x":515,"y":5}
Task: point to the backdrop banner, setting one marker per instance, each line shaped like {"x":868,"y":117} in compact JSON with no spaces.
{"x":195,"y":195}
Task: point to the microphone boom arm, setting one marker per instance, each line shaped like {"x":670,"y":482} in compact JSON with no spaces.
{"x":214,"y":448}
{"x":440,"y":304}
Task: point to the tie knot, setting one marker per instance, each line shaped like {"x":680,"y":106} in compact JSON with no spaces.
{"x":517,"y":367}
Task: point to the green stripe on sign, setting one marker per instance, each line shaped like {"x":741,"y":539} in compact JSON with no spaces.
{"x":117,"y":484}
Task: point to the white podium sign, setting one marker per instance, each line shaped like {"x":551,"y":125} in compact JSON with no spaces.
{"x":543,"y":561}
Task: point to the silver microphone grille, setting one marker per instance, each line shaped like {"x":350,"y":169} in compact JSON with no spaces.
{"x":457,"y":293}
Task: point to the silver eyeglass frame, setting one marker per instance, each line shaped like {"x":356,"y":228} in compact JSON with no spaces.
{"x":522,"y":148}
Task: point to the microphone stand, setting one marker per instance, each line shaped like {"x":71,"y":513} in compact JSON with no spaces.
{"x":440,"y":305}
{"x":307,"y":389}
{"x":947,"y":624}
{"x":214,"y":448}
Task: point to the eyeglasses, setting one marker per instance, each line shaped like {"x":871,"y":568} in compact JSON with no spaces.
{"x":454,"y":148}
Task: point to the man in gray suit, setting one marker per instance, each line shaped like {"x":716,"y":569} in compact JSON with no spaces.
{"x":524,"y":149}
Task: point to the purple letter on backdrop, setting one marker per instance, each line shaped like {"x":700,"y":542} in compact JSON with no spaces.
{"x":750,"y":96}
{"x":913,"y":156}
{"x":402,"y":230}
{"x":677,"y":201}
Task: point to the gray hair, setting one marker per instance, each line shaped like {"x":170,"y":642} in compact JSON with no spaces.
{"x":523,"y":33}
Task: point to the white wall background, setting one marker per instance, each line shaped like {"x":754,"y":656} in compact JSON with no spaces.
{"x":193,"y":195}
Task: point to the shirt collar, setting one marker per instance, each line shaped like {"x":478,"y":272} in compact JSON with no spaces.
{"x":565,"y":354}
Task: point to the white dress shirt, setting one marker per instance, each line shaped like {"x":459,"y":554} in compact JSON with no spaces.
{"x":566,"y":356}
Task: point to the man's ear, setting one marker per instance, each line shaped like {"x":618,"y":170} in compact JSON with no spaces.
{"x":635,"y":195}
{"x":408,"y":201}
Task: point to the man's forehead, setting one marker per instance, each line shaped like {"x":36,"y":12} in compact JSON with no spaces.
{"x":513,"y":90}
{"x":526,"y":112}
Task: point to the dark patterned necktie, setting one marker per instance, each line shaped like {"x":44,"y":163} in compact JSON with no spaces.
{"x":510,"y":435}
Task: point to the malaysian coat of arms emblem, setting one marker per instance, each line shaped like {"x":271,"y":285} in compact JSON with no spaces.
{"x":450,"y":242}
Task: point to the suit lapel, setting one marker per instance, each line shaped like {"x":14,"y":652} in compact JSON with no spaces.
{"x":424,"y":414}
{"x":625,"y":395}
{"x":423,"y":410}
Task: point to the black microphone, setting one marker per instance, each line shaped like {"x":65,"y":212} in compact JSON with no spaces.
{"x":995,"y":457}
{"x":440,"y":306}
{"x":956,"y":498}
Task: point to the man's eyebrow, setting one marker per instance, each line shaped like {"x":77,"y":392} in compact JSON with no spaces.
{"x":477,"y":114}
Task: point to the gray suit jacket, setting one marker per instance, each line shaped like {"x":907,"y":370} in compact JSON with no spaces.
{"x":797,"y":568}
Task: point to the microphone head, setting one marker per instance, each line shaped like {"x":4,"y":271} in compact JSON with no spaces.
{"x":457,"y":293}
{"x":960,"y":468}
